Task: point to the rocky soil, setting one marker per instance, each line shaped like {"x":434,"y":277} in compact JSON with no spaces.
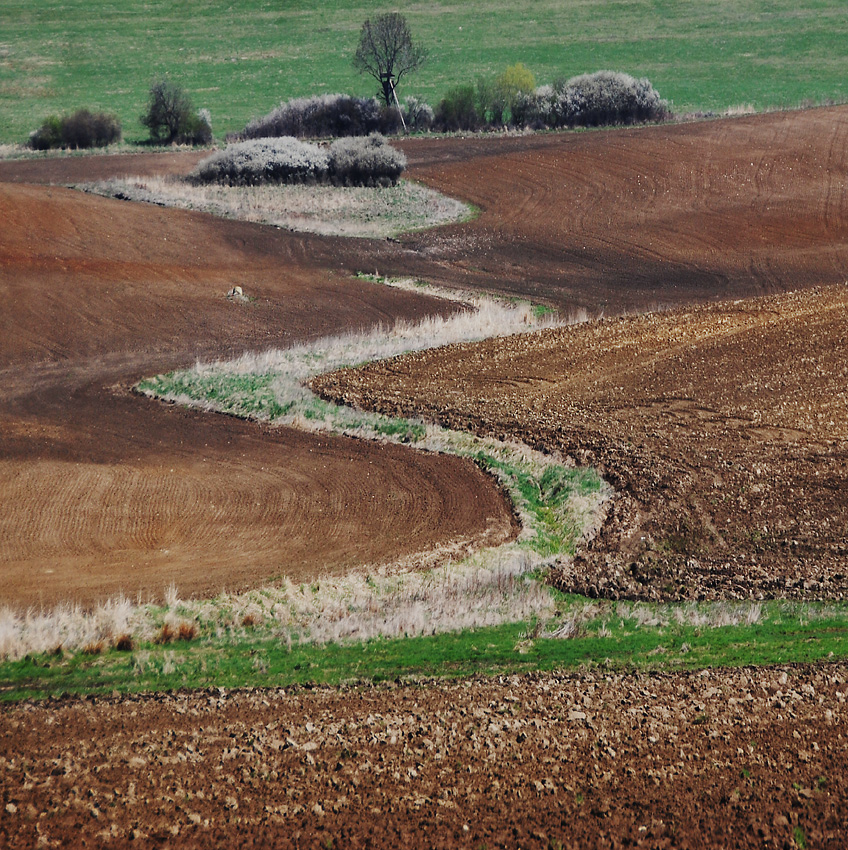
{"x":743,"y":758}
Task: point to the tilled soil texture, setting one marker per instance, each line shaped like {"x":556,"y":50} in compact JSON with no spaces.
{"x":606,"y":221}
{"x":651,"y":217}
{"x":723,"y":428}
{"x":742,"y":758}
{"x":104,"y":492}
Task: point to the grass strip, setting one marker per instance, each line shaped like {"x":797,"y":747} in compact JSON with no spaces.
{"x":620,"y":636}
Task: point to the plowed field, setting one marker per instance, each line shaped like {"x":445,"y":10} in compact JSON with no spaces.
{"x":105,"y":493}
{"x":742,"y":759}
{"x":723,"y":428}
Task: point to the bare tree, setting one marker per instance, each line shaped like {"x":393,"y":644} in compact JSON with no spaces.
{"x":386,"y":51}
{"x":170,"y":117}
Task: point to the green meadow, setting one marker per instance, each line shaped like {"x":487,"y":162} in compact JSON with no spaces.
{"x":241,"y":59}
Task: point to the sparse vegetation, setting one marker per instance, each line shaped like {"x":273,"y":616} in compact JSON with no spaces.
{"x":338,"y":211}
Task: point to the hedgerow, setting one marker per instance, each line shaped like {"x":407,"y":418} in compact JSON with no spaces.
{"x":602,"y":98}
{"x":591,"y":100}
{"x":325,"y":116}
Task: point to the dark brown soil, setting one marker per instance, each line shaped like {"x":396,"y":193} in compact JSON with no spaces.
{"x":104,"y":492}
{"x":724,"y":430}
{"x":743,"y":759}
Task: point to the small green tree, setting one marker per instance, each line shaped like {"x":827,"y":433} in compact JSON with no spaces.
{"x":386,"y":51}
{"x":516,"y":80}
{"x":170,"y":116}
{"x":497,"y":97}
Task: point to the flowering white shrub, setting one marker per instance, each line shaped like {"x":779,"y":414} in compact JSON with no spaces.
{"x":365,"y":162}
{"x":419,"y":116}
{"x":605,"y":97}
{"x":284,"y":160}
{"x":348,"y":162}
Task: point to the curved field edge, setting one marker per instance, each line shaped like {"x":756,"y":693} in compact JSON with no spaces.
{"x":488,"y":613}
{"x":557,"y":504}
{"x":365,"y":212}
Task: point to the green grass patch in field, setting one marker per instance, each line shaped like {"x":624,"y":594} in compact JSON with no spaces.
{"x":546,"y":496}
{"x":241,"y":60}
{"x":616,"y":636}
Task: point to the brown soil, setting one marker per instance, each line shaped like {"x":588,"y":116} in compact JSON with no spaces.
{"x":724,"y":430}
{"x":104,"y":492}
{"x":745,"y":758}
{"x":721,"y":427}
{"x":643,"y":218}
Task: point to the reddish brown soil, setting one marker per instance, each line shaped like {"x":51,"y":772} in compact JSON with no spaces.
{"x":723,"y":428}
{"x":643,"y":218}
{"x":104,"y":492}
{"x":742,"y":759}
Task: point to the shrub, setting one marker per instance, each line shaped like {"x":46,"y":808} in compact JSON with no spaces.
{"x":82,"y":129}
{"x":170,"y":116}
{"x":365,"y":162}
{"x":458,"y":110}
{"x":285,"y":160}
{"x":514,"y":82}
{"x":124,"y":643}
{"x":605,"y":97}
{"x":348,"y":162}
{"x":325,"y":116}
{"x":418,"y":115}
{"x":48,"y":135}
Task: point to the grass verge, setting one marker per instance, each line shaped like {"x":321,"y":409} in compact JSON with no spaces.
{"x":375,"y":213}
{"x":580,"y":634}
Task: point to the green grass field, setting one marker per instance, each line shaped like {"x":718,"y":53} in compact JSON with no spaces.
{"x":240,"y":60}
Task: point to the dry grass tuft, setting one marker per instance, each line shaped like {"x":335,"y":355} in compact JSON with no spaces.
{"x":328,"y":210}
{"x":124,"y":643}
{"x":172,"y":630}
{"x":166,"y":633}
{"x":186,"y":631}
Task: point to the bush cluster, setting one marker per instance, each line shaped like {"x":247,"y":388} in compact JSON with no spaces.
{"x":365,"y":162}
{"x":283,"y":160}
{"x":591,"y":100}
{"x":588,"y":100}
{"x":83,"y":129}
{"x":325,"y":116}
{"x":347,"y":162}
